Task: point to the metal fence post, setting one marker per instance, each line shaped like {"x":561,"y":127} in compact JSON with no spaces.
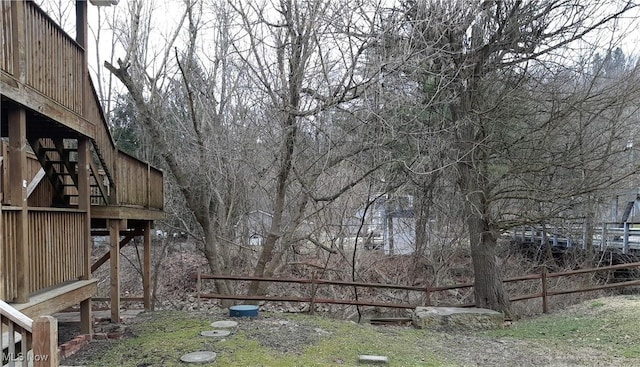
{"x":312,"y":306}
{"x":427,"y":294}
{"x":198,"y":289}
{"x":545,"y":305}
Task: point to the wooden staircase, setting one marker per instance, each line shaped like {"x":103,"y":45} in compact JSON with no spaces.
{"x":59,"y":160}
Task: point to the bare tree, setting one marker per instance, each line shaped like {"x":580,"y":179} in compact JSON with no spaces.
{"x":307,"y":58}
{"x":526,"y":145}
{"x":184,"y":108}
{"x":255,"y":107}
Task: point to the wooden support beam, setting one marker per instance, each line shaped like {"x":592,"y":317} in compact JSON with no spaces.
{"x":86,"y":318}
{"x":128,"y":237}
{"x":146,"y":267}
{"x":30,"y":97}
{"x":84,"y":203}
{"x":114,"y":228}
{"x":3,"y":277}
{"x":18,"y":181}
{"x":35,"y":181}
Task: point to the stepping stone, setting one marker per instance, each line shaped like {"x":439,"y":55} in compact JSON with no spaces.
{"x":216,"y":333}
{"x":199,"y":357}
{"x":365,"y":358}
{"x":457,"y":319}
{"x":224,"y":324}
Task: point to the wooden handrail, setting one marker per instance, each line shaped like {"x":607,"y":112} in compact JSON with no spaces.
{"x":39,"y":336}
{"x":16,"y":316}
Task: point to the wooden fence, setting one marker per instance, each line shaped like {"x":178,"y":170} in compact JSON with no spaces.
{"x":314,"y":283}
{"x":37,"y":339}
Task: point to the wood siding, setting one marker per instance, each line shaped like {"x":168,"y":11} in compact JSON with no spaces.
{"x":55,"y":250}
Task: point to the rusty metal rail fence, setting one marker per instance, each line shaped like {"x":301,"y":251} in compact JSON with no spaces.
{"x":314,"y":283}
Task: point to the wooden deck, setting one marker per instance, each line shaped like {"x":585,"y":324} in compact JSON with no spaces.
{"x":44,"y":71}
{"x":62,"y":178}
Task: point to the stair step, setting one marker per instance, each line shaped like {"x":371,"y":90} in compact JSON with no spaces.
{"x":54,"y":149}
{"x":58,"y":162}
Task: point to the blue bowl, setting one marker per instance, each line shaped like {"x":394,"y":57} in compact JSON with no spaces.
{"x":243,"y":311}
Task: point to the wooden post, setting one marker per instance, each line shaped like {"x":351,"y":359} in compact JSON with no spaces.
{"x":6,"y":188}
{"x":18,"y":41}
{"x":545,"y":305}
{"x":45,"y":342}
{"x":148,"y":185}
{"x":114,"y":248}
{"x":146,"y":267}
{"x":81,"y":38}
{"x":18,"y":181}
{"x":84,"y":203}
{"x":2,"y":259}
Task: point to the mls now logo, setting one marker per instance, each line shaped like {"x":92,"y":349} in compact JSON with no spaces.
{"x":12,"y":357}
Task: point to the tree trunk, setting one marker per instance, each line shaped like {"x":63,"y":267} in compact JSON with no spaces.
{"x":488,"y":287}
{"x":489,"y":291}
{"x":261,"y":270}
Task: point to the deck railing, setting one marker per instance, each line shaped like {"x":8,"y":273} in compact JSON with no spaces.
{"x":624,"y":237}
{"x":139,"y":184}
{"x":55,"y":60}
{"x":106,"y":147}
{"x":6,"y":50}
{"x":27,"y":342}
{"x":55,"y":251}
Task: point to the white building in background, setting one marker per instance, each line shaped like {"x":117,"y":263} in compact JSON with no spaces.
{"x":254,"y":227}
{"x":391,"y":225}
